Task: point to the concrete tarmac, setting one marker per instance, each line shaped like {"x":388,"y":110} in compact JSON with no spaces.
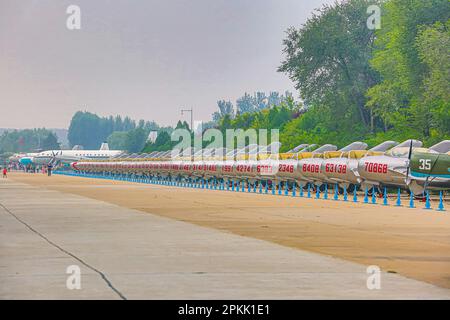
{"x":129,"y":254}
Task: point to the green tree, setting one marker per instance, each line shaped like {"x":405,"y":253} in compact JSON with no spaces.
{"x":151,"y":126}
{"x":118,"y":124}
{"x":50,"y":142}
{"x":245,"y":104}
{"x":182,"y":125}
{"x":328,"y":60}
{"x":27,"y":140}
{"x":118,"y":140}
{"x":128,"y":124}
{"x":90,"y":130}
{"x":402,"y":59}
{"x":225,"y":108}
{"x":162,"y":143}
{"x":85,"y":129}
{"x":135,"y":140}
{"x":433,"y":44}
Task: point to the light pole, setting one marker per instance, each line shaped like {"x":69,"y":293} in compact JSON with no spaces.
{"x":191,"y":110}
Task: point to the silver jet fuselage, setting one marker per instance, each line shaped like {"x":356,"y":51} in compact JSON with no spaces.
{"x":383,"y":171}
{"x":311,"y":170}
{"x":343,"y":171}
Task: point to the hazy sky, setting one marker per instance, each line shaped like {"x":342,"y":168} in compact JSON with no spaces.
{"x":145,"y":59}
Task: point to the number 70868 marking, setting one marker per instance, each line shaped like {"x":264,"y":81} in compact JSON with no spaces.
{"x":376,"y":167}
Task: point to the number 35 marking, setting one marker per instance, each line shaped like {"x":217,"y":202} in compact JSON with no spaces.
{"x":425,"y":164}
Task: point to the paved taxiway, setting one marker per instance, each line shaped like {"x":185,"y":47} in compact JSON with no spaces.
{"x":125,"y":253}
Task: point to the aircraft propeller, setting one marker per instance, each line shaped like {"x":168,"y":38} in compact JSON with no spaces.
{"x":408,"y":167}
{"x":53,"y":161}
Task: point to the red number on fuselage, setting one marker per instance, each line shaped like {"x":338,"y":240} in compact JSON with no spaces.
{"x":375,"y":167}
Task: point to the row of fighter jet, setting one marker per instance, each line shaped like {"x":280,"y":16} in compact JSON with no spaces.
{"x":406,"y":165}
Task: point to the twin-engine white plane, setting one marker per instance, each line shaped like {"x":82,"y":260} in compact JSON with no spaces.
{"x":53,"y":157}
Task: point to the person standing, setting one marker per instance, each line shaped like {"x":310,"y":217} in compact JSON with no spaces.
{"x":5,"y":173}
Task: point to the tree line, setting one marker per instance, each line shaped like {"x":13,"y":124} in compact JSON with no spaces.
{"x":250,"y":103}
{"x":373,"y":85}
{"x":28,"y":140}
{"x":90,"y":131}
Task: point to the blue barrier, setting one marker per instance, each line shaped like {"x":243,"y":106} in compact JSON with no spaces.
{"x":240,"y":187}
{"x":441,"y":202}
{"x":411,"y":200}
{"x":399,"y":199}
{"x":385,"y":198}
{"x":427,"y":202}
{"x":374,"y":196}
{"x":366,"y":195}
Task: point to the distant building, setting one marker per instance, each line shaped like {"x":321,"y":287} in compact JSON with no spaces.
{"x":152,"y":136}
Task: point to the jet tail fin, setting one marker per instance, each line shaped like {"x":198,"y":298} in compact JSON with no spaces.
{"x":355,"y":146}
{"x":104,"y":146}
{"x":385,"y":146}
{"x":298,"y":148}
{"x":407,"y":143}
{"x":441,"y":147}
{"x":325,"y":148}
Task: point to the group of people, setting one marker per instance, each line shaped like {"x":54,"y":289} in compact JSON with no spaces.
{"x":30,"y":169}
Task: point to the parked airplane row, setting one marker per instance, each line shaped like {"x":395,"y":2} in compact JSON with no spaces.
{"x":406,"y":165}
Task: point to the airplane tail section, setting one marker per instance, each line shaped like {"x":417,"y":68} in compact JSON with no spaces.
{"x":407,"y":143}
{"x":298,"y":148}
{"x":441,"y":147}
{"x":355,"y":146}
{"x":385,"y":146}
{"x":104,"y":146}
{"x":325,"y":148}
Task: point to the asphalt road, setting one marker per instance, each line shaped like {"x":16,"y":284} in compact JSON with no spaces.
{"x":128,"y":254}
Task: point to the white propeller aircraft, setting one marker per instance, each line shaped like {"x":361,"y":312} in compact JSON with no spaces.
{"x":67,"y":156}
